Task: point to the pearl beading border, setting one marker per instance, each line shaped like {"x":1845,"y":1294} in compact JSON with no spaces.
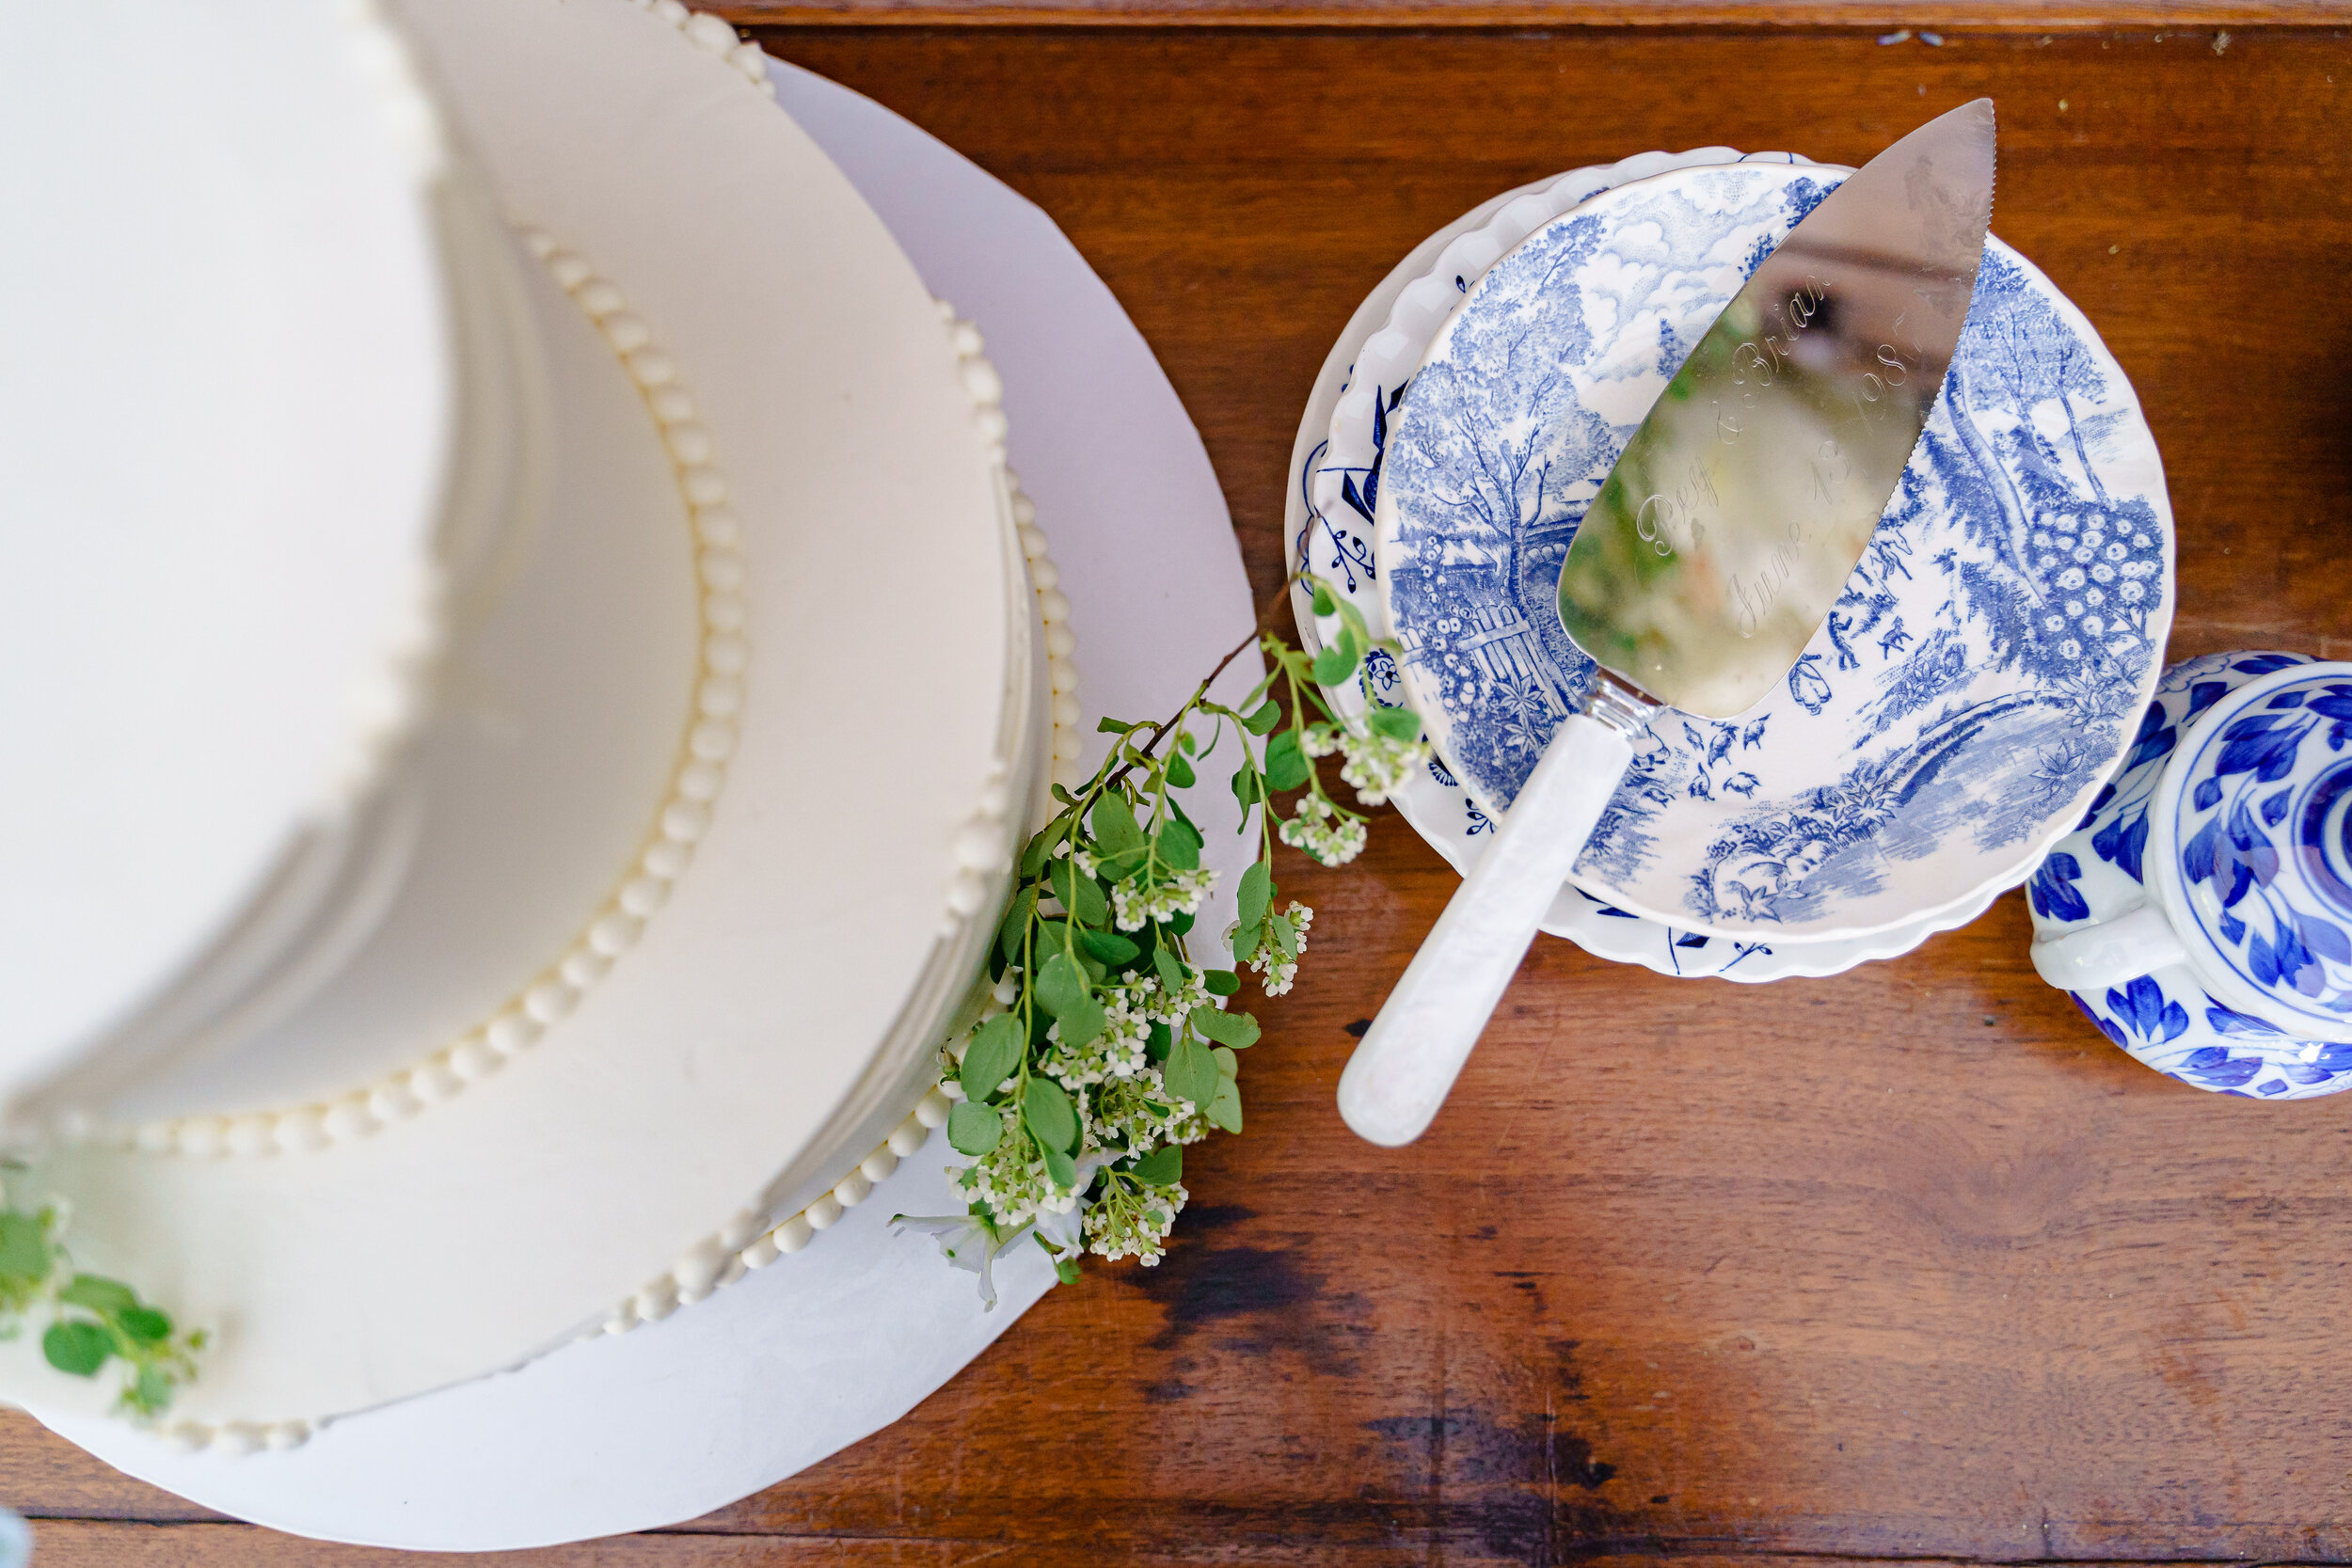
{"x":712,"y":35}
{"x":679,"y":823}
{"x":750,"y":1242}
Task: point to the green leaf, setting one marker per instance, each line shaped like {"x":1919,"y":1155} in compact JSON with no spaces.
{"x":1016,"y":922}
{"x":150,"y":1393}
{"x":1220,"y":982}
{"x":99,"y":1295}
{"x":1047,"y":1110}
{"x":1180,"y":844}
{"x":80,"y":1348}
{"x":1163,"y":1167}
{"x":1041,"y":846}
{"x":24,"y":1247}
{"x":974,"y":1128}
{"x":1264,"y":719}
{"x":1285,"y":762}
{"x":1325,"y":604}
{"x":1118,"y":867}
{"x":1285,"y":935}
{"x":1063,"y":1169}
{"x":1247,"y":789}
{"x":1238,"y":1030}
{"x":1109,"y":946}
{"x":1224,"y":1107}
{"x":1185,"y":742}
{"x":1227,"y":1063}
{"x":1171,"y":973}
{"x":1334,"y":665}
{"x":1257,"y":892}
{"x":1397,"y":723}
{"x":990,"y":1059}
{"x":1060,"y":984}
{"x":1159,"y":1041}
{"x":1191,"y":1073}
{"x":1066,"y":1268}
{"x":1180,"y":774}
{"x":1113,"y":726}
{"x":1179,"y":923}
{"x":1115,"y":825}
{"x":144,"y":1324}
{"x":1080,"y":895}
{"x":1063,"y":988}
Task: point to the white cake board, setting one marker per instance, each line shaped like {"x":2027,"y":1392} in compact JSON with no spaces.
{"x":819,"y":1350}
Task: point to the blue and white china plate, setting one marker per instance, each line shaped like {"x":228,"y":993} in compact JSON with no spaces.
{"x":1328,"y":533}
{"x":2168,"y":1020}
{"x":1967,"y":695}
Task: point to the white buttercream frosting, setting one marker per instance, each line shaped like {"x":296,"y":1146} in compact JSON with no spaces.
{"x":981,"y":851}
{"x":708,"y":980}
{"x":548,"y":997}
{"x":224,"y":598}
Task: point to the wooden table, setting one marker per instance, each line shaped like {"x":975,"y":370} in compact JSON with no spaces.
{"x":1908,"y":1263}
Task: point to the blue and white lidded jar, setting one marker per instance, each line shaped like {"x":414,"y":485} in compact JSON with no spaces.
{"x":2202,"y":915}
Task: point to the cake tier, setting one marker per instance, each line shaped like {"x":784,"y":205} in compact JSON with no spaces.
{"x":528,"y":801}
{"x":781,"y":1013}
{"x":224,"y":430}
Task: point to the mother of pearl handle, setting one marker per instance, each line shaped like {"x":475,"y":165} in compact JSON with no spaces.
{"x":1415,"y":1049}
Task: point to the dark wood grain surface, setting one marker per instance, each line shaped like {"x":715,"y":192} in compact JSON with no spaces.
{"x":1904,"y":1264}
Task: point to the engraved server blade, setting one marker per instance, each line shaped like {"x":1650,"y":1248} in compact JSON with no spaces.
{"x":1734,"y":517}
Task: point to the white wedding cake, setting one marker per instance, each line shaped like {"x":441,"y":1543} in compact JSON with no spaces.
{"x":522,"y":668}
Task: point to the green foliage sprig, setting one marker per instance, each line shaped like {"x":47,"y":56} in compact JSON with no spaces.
{"x":92,"y":1320}
{"x":1106,"y":1048}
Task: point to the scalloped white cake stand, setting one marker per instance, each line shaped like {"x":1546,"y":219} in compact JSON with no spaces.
{"x":813,"y":1354}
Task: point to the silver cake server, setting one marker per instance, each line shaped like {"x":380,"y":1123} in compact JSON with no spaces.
{"x":1712,"y":553}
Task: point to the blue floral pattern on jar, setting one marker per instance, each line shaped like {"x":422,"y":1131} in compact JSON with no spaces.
{"x":2168,"y":1020}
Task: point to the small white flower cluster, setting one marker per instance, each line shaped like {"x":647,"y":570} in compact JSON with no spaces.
{"x":1133,"y":907}
{"x":1142,"y":1113}
{"x":1117,"y":1052}
{"x":1012,"y":1180}
{"x":1123,"y":1107}
{"x":1377,"y":764}
{"x":1281,"y":969}
{"x":1131,"y":1224}
{"x":1322,"y":832}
